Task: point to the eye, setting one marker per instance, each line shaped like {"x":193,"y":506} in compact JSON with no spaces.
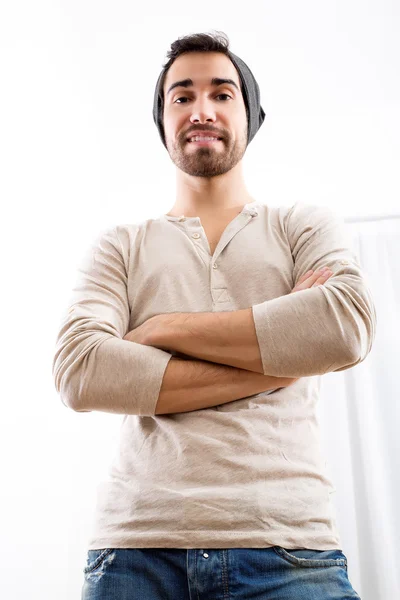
{"x":185,"y":98}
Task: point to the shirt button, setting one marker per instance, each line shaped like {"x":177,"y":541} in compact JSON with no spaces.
{"x":205,"y":555}
{"x":196,"y":235}
{"x":215,"y":266}
{"x":182,"y":218}
{"x":344,"y":262}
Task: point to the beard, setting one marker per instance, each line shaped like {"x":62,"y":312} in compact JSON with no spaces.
{"x":207,"y":161}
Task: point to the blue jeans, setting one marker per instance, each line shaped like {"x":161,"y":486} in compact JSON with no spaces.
{"x":217,"y":574}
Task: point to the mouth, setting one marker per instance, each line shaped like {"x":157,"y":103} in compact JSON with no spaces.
{"x":205,"y":142}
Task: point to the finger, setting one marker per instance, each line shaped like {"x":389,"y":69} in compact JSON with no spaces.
{"x":315,"y":276}
{"x":310,"y":280}
{"x":304,"y":276}
{"x":322,"y":279}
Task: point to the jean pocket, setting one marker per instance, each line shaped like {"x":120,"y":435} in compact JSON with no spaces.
{"x":95,"y":558}
{"x":312,"y":558}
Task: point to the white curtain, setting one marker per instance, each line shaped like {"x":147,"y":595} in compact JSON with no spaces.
{"x":359,"y":417}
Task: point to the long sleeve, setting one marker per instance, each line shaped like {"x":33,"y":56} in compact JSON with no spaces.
{"x":326,"y":328}
{"x":93,"y":367}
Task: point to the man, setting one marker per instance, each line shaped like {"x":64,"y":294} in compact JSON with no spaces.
{"x":208,"y":328}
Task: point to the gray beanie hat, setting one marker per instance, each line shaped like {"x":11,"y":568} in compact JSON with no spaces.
{"x":251,"y":96}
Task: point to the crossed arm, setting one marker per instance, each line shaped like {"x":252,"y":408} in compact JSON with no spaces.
{"x":227,"y":338}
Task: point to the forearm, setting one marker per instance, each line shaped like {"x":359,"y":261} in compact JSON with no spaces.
{"x":191,"y":385}
{"x":227,"y":338}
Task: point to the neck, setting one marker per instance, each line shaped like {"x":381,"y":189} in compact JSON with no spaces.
{"x":199,"y":196}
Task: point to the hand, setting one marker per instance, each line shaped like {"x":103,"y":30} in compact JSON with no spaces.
{"x":311,"y":280}
{"x":150,"y":333}
{"x":145,"y":332}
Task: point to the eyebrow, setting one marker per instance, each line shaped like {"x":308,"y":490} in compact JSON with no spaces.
{"x":189,"y":82}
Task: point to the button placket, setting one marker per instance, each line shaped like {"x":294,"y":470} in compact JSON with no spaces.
{"x":189,"y":223}
{"x":229,"y":233}
{"x":219,"y":291}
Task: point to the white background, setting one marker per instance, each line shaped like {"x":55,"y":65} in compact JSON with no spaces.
{"x":79,"y":152}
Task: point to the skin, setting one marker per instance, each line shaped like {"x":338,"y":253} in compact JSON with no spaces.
{"x":209,"y":179}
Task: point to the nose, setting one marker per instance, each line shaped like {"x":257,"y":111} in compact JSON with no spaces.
{"x":202,"y":112}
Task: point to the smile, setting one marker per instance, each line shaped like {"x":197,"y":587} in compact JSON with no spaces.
{"x":204,"y":142}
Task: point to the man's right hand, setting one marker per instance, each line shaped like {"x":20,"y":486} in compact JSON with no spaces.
{"x":312,"y":279}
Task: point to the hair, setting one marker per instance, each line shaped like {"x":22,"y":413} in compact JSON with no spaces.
{"x":197,"y":42}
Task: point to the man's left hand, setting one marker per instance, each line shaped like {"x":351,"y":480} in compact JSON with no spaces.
{"x":145,"y":331}
{"x":152,"y":332}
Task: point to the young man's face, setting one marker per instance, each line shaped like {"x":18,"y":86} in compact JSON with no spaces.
{"x":204,"y":107}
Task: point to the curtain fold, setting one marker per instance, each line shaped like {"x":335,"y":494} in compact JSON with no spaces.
{"x":360,"y":424}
